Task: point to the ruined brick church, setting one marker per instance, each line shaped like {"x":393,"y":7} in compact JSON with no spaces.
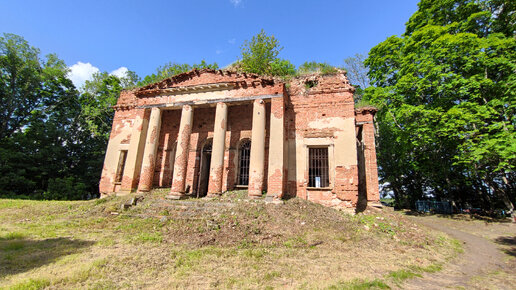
{"x":205,"y":132}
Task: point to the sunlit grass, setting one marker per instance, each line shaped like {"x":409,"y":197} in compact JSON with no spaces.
{"x":248,"y":244}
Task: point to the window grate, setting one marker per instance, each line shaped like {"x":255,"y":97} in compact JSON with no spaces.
{"x":121,"y":165}
{"x":243,"y":162}
{"x":318,"y":175}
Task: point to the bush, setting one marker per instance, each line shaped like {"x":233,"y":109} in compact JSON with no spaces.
{"x":67,"y":188}
{"x":317,"y":67}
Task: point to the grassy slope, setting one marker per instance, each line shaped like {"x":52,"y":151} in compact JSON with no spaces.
{"x":226,"y":242}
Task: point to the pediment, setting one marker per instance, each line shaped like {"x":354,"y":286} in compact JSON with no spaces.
{"x":205,"y":80}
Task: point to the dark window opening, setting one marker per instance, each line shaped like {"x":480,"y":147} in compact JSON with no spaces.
{"x":318,"y":175}
{"x":121,"y":165}
{"x":204,"y":168}
{"x":243,"y":162}
{"x":310,"y":84}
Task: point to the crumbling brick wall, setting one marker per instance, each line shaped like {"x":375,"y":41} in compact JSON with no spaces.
{"x":318,"y":112}
{"x":321,"y":113}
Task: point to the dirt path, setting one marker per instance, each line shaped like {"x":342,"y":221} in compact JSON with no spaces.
{"x":483,"y":265}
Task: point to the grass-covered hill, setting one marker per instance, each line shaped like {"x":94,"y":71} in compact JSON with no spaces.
{"x":227,"y":242}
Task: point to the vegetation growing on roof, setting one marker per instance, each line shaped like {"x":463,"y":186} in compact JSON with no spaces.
{"x":322,"y":68}
{"x":171,"y":69}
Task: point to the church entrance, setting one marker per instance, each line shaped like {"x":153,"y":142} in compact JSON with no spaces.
{"x":204,"y":169}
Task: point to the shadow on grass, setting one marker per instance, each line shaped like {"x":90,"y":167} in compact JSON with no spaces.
{"x":508,"y":241}
{"x":19,"y":254}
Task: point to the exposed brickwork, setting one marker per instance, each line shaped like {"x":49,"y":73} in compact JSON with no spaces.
{"x":167,"y":148}
{"x":316,"y":111}
{"x":366,"y":116}
{"x":318,"y":107}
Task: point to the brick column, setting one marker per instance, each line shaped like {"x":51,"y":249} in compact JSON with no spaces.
{"x":256,"y":165}
{"x":371,"y":168}
{"x":275,"y":184}
{"x":149,"y":154}
{"x":135,"y":153}
{"x":183,"y":147}
{"x":217,"y":153}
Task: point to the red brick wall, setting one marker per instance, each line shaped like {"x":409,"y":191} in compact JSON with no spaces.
{"x":330,"y":97}
{"x":239,"y":127}
{"x":365,"y":117}
{"x":244,"y":87}
{"x":167,"y":146}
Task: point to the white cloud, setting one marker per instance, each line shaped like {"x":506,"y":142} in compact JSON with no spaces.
{"x":232,"y":41}
{"x":218,"y":51}
{"x":81,"y":72}
{"x":120,"y":72}
{"x":235,"y":2}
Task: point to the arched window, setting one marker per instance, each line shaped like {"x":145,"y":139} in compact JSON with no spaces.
{"x":244,"y":154}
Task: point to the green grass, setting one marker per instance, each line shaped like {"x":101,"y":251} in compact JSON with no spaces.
{"x":13,"y":246}
{"x":31,"y":284}
{"x":395,"y":277}
{"x":401,"y":275}
{"x":428,"y":269}
{"x":247,"y":245}
{"x":12,"y":236}
{"x":148,"y":238}
{"x":359,"y":284}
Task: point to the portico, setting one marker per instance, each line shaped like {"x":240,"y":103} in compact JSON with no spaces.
{"x":188,"y":153}
{"x":202,"y":133}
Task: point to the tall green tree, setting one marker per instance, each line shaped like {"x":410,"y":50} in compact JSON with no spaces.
{"x":20,"y":83}
{"x":97,"y":100}
{"x":260,"y":56}
{"x":357,"y":74}
{"x":446,"y":90}
{"x":52,"y":140}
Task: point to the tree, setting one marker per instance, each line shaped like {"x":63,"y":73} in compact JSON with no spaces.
{"x":20,"y":83}
{"x":447,"y":99}
{"x":357,"y":74}
{"x":260,"y":56}
{"x":282,"y":67}
{"x":48,"y":144}
{"x":99,"y":97}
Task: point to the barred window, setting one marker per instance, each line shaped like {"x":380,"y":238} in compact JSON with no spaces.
{"x":121,"y":165}
{"x":244,"y":154}
{"x":318,"y":175}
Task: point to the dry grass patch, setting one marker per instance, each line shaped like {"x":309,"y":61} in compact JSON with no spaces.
{"x":229,"y":242}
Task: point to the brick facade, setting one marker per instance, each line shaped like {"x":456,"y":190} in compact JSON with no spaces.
{"x":283,"y":121}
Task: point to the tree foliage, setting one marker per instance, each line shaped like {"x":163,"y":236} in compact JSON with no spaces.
{"x":170,"y":69}
{"x":53,"y":137}
{"x":260,"y":56}
{"x":446,"y":90}
{"x":20,"y":83}
{"x":98,"y":98}
{"x":357,"y":75}
{"x":322,"y":68}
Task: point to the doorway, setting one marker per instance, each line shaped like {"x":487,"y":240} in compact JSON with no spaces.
{"x":204,"y":169}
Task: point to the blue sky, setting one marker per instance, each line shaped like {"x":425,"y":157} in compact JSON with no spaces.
{"x":110,"y":35}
